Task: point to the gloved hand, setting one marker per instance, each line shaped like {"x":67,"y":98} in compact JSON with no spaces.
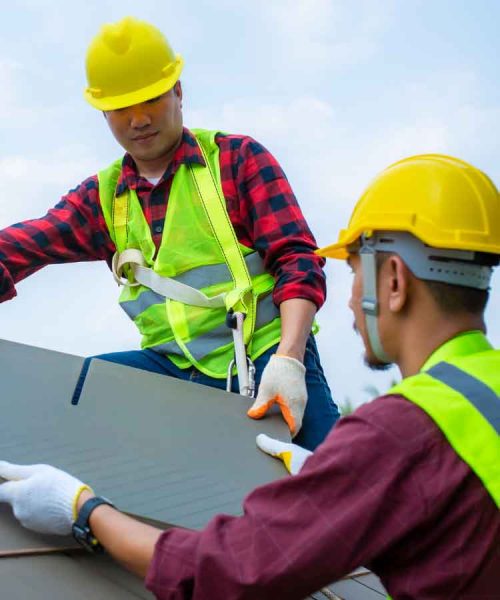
{"x":42,"y":497}
{"x":292,"y":455}
{"x":283,"y":382}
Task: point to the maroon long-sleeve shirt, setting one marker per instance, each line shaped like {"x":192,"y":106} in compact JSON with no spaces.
{"x":385,"y":490}
{"x":259,"y":201}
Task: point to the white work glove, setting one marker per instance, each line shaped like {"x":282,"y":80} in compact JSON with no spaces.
{"x":42,"y":497}
{"x":283,"y":382}
{"x":292,"y":455}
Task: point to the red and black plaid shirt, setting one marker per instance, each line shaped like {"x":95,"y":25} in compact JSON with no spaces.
{"x":260,"y":203}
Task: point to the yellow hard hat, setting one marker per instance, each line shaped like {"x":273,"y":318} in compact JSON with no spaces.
{"x":129,"y":62}
{"x":443,"y":201}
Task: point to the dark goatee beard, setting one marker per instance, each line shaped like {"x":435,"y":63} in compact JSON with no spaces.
{"x":376,"y":365}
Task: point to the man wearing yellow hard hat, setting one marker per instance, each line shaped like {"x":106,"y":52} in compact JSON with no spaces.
{"x":204,"y":235}
{"x":409,"y":484}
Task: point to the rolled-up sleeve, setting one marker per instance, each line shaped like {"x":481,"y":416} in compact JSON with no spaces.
{"x":73,"y":231}
{"x":268,"y":218}
{"x":7,"y":287}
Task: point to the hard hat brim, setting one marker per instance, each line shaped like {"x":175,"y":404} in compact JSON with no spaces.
{"x":137,"y":96}
{"x":337,"y":251}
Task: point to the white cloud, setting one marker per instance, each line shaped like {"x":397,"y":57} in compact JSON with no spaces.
{"x":69,"y":308}
{"x":54,"y":170}
{"x":17,"y":111}
{"x":29,"y":186}
{"x":299,"y":118}
{"x":8,"y":70}
{"x":325,"y":33}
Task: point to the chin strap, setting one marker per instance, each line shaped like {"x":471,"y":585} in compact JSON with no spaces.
{"x":369,"y":302}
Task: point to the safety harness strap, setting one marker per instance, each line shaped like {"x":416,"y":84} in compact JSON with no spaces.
{"x":241,"y":299}
{"x":165,"y":286}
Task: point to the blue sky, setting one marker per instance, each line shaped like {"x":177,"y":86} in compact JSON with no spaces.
{"x":336,"y":90}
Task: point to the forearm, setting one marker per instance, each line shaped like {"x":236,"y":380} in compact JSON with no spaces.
{"x":297,"y":315}
{"x":20,"y":256}
{"x":127,"y":540}
{"x":269,"y":220}
{"x":73,"y":231}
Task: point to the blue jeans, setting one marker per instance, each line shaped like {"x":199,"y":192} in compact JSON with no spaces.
{"x":321,"y":412}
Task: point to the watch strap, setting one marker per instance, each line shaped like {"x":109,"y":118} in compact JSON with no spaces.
{"x":81,"y":527}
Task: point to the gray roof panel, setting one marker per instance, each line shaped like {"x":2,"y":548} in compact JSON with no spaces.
{"x":15,"y":539}
{"x":166,"y":449}
{"x":59,"y":577}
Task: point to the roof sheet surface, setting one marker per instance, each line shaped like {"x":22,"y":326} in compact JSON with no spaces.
{"x":163,"y":449}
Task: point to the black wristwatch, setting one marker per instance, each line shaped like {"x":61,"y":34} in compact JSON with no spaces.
{"x":81,"y":528}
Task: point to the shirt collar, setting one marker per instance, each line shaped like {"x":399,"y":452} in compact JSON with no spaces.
{"x":188,"y":152}
{"x":462,"y":344}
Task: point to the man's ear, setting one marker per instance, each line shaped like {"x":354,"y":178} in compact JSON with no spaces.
{"x":178,"y":90}
{"x":397,"y":277}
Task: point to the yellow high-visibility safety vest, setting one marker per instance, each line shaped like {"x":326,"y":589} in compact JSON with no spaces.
{"x":199,"y":247}
{"x":459,"y":388}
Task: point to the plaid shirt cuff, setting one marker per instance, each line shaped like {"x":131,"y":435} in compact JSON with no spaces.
{"x":7,"y":287}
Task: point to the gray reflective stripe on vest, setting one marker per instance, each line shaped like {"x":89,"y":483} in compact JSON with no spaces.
{"x":220,"y":273}
{"x":197,"y":278}
{"x":168,"y":348}
{"x":221,"y":335}
{"x":477,"y":393}
{"x":148,"y":298}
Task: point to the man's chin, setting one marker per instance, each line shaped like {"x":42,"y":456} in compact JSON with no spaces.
{"x":375,"y":364}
